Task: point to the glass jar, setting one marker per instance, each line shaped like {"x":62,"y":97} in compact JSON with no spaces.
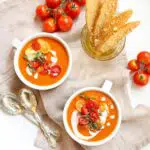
{"x":92,"y":52}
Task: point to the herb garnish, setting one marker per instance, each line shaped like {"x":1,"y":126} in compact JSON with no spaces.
{"x":93,"y":126}
{"x":87,"y":97}
{"x":30,"y":67}
{"x":25,"y":57}
{"x":84,"y":97}
{"x":40,"y":57}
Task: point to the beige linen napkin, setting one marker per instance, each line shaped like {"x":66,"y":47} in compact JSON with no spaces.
{"x":17,"y":20}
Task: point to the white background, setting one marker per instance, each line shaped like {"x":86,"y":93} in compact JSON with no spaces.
{"x":16,"y":133}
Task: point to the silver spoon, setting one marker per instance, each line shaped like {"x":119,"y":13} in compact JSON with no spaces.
{"x":29,"y":102}
{"x":10,"y":105}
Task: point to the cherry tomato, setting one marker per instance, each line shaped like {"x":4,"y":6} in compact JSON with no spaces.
{"x":83,"y":121}
{"x":84,"y":110}
{"x":42,"y":11}
{"x":55,"y":70}
{"x":94,"y":116}
{"x":80,"y":2}
{"x":72,"y":9}
{"x":91,"y":105}
{"x":35,"y":64}
{"x":56,"y":13}
{"x":144,"y":57}
{"x":147,"y":69}
{"x":36,"y":45}
{"x":50,"y":25}
{"x":42,"y":71}
{"x":65,"y":23}
{"x":133,"y":65}
{"x":140,"y":78}
{"x":45,"y":66}
{"x":53,"y":3}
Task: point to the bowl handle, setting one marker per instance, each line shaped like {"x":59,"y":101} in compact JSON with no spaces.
{"x":107,"y":86}
{"x":16,"y":43}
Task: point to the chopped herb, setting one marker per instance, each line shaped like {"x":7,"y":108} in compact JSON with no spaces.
{"x":93,"y":126}
{"x":40,"y":57}
{"x":28,"y":64}
{"x":25,"y":57}
{"x":86,"y":97}
{"x":38,"y":54}
{"x":30,"y":67}
{"x":100,"y":113}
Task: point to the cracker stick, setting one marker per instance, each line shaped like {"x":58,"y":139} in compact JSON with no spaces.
{"x":106,"y":12}
{"x":121,"y":18}
{"x":92,"y":8}
{"x":113,"y":40}
{"x":115,"y":24}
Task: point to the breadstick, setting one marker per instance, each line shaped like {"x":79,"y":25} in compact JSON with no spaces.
{"x":105,"y":15}
{"x":92,"y":8}
{"x":115,"y":24}
{"x":113,"y":40}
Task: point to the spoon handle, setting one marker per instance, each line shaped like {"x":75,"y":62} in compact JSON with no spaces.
{"x":51,"y":140}
{"x":30,"y":118}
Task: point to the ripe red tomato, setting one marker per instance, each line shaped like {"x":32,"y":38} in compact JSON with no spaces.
{"x":56,"y":13}
{"x":147,"y":69}
{"x":84,"y":110}
{"x":140,"y":78}
{"x":65,"y":23}
{"x":91,"y":105}
{"x":94,"y":116}
{"x":42,"y":11}
{"x":36,"y":45}
{"x":45,"y":66}
{"x":55,"y":70}
{"x":72,"y":9}
{"x":53,"y":3}
{"x":43,"y":71}
{"x":144,"y":57}
{"x":83,"y":121}
{"x":35,"y":64}
{"x":133,"y":65}
{"x":81,"y":2}
{"x":50,"y":25}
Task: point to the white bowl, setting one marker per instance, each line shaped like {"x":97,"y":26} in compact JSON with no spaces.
{"x":20,"y":44}
{"x":105,"y":89}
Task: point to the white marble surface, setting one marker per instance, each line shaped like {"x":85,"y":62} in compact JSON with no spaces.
{"x":16,"y":133}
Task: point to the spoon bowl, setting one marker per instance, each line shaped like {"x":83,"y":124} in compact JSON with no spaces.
{"x":28,"y":99}
{"x":10,"y":105}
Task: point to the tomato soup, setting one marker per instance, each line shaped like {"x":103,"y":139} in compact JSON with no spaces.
{"x":43,"y":61}
{"x":92,"y":116}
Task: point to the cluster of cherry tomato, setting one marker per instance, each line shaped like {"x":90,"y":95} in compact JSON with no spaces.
{"x":59,"y":14}
{"x":91,"y":110}
{"x":141,"y":68}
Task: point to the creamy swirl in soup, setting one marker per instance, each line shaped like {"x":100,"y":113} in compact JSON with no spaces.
{"x":92,"y":116}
